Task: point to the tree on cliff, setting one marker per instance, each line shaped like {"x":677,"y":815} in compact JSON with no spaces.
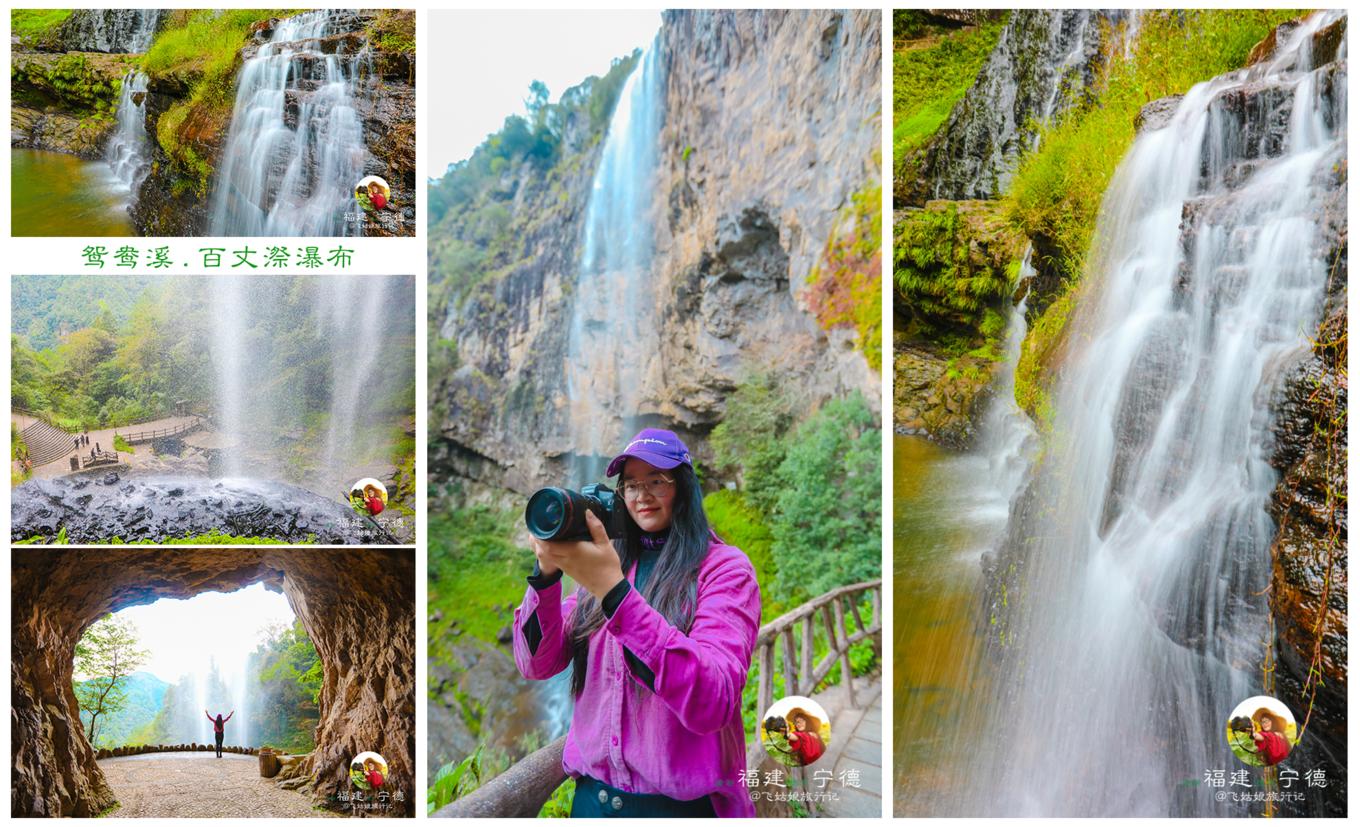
{"x":106,"y":655}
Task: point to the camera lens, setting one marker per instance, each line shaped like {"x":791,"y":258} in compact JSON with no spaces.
{"x":546,"y":513}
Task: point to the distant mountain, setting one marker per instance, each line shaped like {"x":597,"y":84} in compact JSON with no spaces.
{"x":145,"y":694}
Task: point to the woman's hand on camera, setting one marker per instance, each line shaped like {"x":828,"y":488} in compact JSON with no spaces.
{"x":593,"y":563}
{"x":547,"y":563}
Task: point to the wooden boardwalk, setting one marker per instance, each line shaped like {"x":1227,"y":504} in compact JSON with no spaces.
{"x":856,"y":750}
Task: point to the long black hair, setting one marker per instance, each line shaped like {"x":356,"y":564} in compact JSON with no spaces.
{"x":672,"y":586}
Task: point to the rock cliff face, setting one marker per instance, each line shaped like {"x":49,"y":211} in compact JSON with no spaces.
{"x":1309,"y":555}
{"x":770,"y":124}
{"x":1045,"y":61}
{"x":64,"y":102}
{"x":368,"y":692}
{"x":110,"y":30}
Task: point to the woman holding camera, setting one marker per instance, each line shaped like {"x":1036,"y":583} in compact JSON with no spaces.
{"x":659,"y":636}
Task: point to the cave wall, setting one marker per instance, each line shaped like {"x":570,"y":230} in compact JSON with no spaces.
{"x":358,"y":607}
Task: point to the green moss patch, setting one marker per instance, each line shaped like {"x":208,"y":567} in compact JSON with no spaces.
{"x":846,"y":284}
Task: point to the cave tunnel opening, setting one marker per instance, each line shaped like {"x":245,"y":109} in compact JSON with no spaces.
{"x":356,"y":606}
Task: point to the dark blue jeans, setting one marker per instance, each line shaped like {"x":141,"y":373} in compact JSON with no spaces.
{"x":595,"y":799}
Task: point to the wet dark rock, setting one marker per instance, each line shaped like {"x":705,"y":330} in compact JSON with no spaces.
{"x":109,"y":30}
{"x":1327,"y":42}
{"x":1157,"y":114}
{"x":167,"y":508}
{"x":1045,"y":61}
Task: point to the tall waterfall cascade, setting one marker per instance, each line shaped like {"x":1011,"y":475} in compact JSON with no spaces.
{"x":295,"y":149}
{"x":1137,"y":610}
{"x":613,"y":330}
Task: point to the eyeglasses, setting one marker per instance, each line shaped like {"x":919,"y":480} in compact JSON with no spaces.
{"x":656,"y":486}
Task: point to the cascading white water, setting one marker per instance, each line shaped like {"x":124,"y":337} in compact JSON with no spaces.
{"x":1006,"y":436}
{"x":349,"y":324}
{"x":351,"y":311}
{"x":1139,"y":617}
{"x":230,"y":357}
{"x":241,"y":686}
{"x":612,"y":339}
{"x":295,"y":148}
{"x":127,"y":152}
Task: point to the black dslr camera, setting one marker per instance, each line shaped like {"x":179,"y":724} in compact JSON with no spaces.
{"x":560,"y":513}
{"x":1241,"y":724}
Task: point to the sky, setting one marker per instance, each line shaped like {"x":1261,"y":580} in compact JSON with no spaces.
{"x":181,"y":634}
{"x":480,"y":64}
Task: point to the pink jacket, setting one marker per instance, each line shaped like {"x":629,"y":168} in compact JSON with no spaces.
{"x":685,"y":740}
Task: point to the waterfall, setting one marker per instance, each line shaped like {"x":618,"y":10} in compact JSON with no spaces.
{"x":111,"y":30}
{"x":1006,"y":436}
{"x":350,"y":311}
{"x":612,"y":342}
{"x":127,"y":150}
{"x":230,"y":355}
{"x":1043,"y":58}
{"x":241,"y":695}
{"x":1138,"y":611}
{"x":295,"y":147}
{"x":334,"y":427}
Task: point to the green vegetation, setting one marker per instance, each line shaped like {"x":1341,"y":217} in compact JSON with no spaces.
{"x":284,"y":705}
{"x":474,"y":237}
{"x":393,"y":30}
{"x":36,"y":27}
{"x":932,"y":69}
{"x":846,"y":284}
{"x":828,"y":516}
{"x":739,"y":523}
{"x":120,"y":444}
{"x":199,"y":49}
{"x":1056,"y":193}
{"x":84,"y":85}
{"x":954,"y":266}
{"x":121,"y":353}
{"x":476,"y":570}
{"x":212,"y":538}
{"x":106,"y":655}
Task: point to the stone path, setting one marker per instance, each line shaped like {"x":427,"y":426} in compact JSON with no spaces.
{"x":198,"y":784}
{"x":856,"y":747}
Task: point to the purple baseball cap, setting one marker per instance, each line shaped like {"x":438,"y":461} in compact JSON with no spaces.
{"x":655,"y":446}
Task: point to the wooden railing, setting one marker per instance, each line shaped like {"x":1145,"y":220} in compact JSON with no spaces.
{"x":793,"y":638}
{"x":520,"y":791}
{"x":146,"y":436}
{"x":95,"y":459}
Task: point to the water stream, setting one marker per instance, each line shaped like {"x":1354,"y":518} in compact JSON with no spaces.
{"x":1134,"y":567}
{"x":950,"y":510}
{"x":128,"y":150}
{"x":613,"y":327}
{"x":295,"y":147}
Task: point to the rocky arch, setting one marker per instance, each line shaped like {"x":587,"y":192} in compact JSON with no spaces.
{"x":340,"y":595}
